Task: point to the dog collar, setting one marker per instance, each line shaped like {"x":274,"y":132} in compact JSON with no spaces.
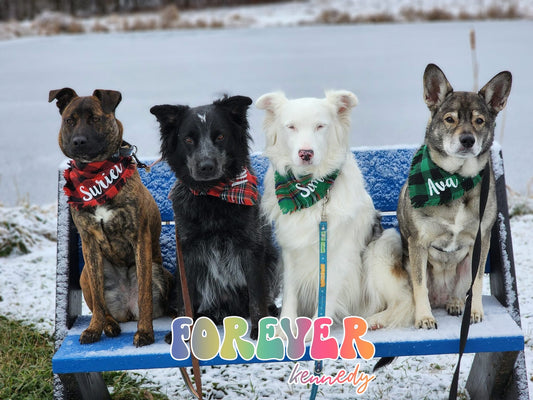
{"x":95,"y":183}
{"x":242,"y":190}
{"x":430,"y":185}
{"x":295,"y":194}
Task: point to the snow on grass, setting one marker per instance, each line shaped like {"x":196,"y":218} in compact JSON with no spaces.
{"x":27,"y":292}
{"x":290,"y":13}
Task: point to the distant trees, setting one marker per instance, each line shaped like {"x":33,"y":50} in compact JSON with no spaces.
{"x":28,"y":9}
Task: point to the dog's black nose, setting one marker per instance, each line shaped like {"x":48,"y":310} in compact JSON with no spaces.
{"x":78,"y":141}
{"x":206,"y":166}
{"x":467,"y":140}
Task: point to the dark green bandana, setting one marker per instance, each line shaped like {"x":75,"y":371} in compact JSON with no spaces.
{"x":430,"y":185}
{"x":294,"y":194}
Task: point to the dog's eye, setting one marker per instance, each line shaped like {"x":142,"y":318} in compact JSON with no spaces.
{"x":188,"y":140}
{"x":95,"y":119}
{"x":479,"y":121}
{"x":70,"y":121}
{"x":449,"y":120}
{"x":291,"y":127}
{"x":220,"y":138}
{"x":319,"y":126}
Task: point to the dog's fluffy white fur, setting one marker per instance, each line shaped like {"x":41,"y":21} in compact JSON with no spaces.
{"x":364,"y":275}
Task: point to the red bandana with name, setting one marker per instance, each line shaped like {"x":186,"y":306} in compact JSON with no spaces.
{"x":241,"y":190}
{"x":96,"y":182}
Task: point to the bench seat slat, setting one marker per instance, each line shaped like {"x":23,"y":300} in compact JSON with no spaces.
{"x":497,"y":331}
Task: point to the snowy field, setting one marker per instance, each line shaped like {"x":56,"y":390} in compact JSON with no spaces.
{"x":382,"y":64}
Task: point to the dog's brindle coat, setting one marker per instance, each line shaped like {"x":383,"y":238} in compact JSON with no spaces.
{"x":438,"y":240}
{"x":123,"y":278}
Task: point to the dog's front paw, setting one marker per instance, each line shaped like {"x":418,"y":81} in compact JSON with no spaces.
{"x":168,"y":338}
{"x":455,"y":306}
{"x":254,"y":332}
{"x":143,"y":338}
{"x":428,"y":322}
{"x":476,"y":316}
{"x":90,"y":336}
{"x":112,"y":328}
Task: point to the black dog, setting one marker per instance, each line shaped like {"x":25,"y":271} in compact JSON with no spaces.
{"x":230,"y":260}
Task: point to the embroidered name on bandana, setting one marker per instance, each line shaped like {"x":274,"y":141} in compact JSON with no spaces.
{"x":96,"y":182}
{"x":294,"y":194}
{"x":242,"y":190}
{"x":430,"y":185}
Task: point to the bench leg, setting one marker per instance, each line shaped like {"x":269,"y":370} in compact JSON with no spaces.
{"x":498,"y":376}
{"x":81,"y":386}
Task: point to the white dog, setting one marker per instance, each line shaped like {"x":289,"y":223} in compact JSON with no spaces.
{"x":309,"y":138}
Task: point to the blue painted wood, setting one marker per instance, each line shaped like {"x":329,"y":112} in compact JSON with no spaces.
{"x":385,"y":171}
{"x":497,"y":331}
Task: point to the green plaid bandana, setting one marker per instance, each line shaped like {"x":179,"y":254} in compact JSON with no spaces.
{"x":294,"y":194}
{"x":430,"y":185}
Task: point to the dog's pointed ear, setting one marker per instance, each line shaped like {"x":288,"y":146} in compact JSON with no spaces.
{"x":343,"y":101}
{"x":109,"y":99}
{"x":436,"y":86}
{"x":237,"y":106}
{"x":167,"y":114}
{"x":497,"y":90}
{"x":63,"y":96}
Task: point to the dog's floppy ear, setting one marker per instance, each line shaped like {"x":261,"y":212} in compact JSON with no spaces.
{"x":109,"y":99}
{"x":271,"y":102}
{"x":167,"y":114}
{"x":496,"y":91}
{"x":343,"y":100}
{"x":436,"y":86}
{"x":63,"y":96}
{"x":237,"y":105}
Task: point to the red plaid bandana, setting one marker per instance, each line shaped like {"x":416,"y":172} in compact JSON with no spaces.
{"x":96,"y":182}
{"x":241,"y":190}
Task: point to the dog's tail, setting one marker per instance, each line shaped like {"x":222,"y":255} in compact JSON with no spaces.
{"x":387,"y":290}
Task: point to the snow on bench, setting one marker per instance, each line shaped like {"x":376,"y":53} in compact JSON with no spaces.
{"x":498,"y":341}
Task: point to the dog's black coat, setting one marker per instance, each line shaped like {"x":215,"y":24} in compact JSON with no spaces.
{"x":229,"y":256}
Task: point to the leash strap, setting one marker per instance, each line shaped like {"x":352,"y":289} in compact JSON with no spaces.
{"x":476,"y":254}
{"x":188,"y":311}
{"x":322,"y":283}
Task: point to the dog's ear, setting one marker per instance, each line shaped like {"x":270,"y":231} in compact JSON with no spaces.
{"x":496,"y":91}
{"x":271,"y":101}
{"x":343,"y":101}
{"x":109,"y":99}
{"x":436,"y":86}
{"x":167,"y":114}
{"x":237,"y":106}
{"x":63,"y":96}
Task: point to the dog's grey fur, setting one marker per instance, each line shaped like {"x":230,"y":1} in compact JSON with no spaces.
{"x":438,"y":240}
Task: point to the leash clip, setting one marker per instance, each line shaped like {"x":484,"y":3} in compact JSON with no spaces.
{"x":324,"y":217}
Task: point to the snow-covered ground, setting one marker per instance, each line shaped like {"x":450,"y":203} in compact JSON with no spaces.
{"x":382,"y":64}
{"x":27,"y":292}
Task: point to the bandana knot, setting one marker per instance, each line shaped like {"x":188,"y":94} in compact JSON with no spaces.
{"x":97,"y":182}
{"x":242,"y":190}
{"x":430,"y":185}
{"x":295,"y":194}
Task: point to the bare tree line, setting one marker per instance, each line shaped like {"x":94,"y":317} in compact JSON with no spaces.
{"x":28,"y":9}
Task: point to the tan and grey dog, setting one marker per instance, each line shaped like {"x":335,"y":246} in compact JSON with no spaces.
{"x":116,"y":216}
{"x":438,"y":209}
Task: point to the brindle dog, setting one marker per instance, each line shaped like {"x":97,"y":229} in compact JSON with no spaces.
{"x":123,"y":278}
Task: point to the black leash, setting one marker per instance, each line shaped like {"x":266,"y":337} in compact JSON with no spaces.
{"x":476,"y":253}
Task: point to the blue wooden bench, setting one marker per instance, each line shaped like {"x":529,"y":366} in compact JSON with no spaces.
{"x":498,"y":370}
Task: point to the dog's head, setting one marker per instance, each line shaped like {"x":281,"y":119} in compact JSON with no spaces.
{"x":205,"y":144}
{"x":462,"y":123}
{"x":307,"y":135}
{"x":89,"y":130}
